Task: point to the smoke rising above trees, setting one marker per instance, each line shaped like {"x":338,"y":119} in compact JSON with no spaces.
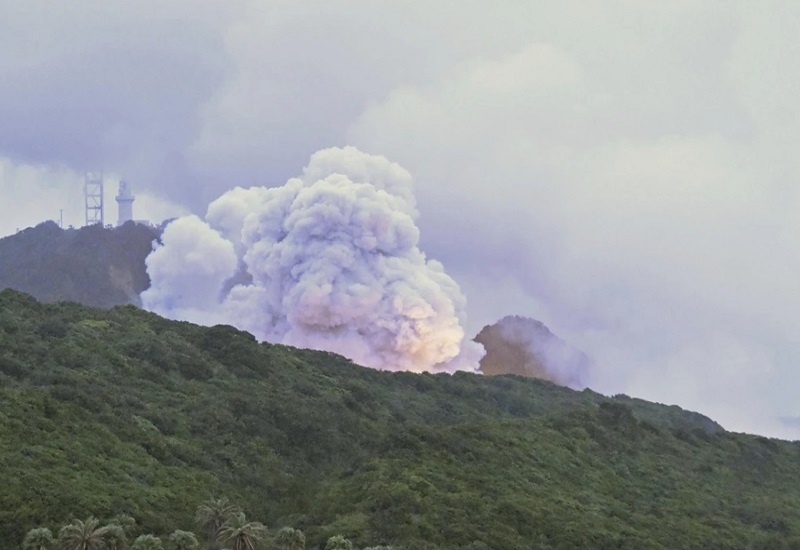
{"x":330,"y":260}
{"x":623,"y":171}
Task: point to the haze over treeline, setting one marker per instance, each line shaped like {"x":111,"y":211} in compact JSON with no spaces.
{"x":622,"y":171}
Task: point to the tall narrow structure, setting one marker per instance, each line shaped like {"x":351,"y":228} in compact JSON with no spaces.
{"x":93,"y":197}
{"x":125,"y":201}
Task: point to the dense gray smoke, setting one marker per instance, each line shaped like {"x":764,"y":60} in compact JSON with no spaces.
{"x":328,"y":261}
{"x":518,"y":345}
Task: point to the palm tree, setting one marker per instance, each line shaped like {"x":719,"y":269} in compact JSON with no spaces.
{"x":338,"y":542}
{"x":289,"y":538}
{"x":212,"y":514}
{"x":240,"y":534}
{"x":183,"y":540}
{"x":38,"y":539}
{"x":81,"y":535}
{"x":147,"y":542}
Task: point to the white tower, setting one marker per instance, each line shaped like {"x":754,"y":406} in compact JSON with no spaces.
{"x":125,"y":201}
{"x":93,"y":197}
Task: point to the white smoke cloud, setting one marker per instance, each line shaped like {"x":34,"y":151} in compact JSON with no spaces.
{"x":189,"y":288}
{"x":330,"y":261}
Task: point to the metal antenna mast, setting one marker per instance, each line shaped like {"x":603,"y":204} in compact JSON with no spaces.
{"x":93,"y":197}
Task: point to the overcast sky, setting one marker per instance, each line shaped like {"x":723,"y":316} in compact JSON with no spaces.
{"x":622,"y":170}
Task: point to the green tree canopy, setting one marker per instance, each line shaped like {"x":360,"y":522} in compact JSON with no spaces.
{"x":147,"y":542}
{"x":239,"y":534}
{"x":115,"y":537}
{"x":38,"y":539}
{"x":183,"y":540}
{"x":127,"y":522}
{"x":289,"y":538}
{"x":81,"y":535}
{"x":212,"y":515}
{"x":338,"y":542}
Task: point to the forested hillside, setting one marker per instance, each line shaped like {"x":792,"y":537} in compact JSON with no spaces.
{"x":119,"y":411}
{"x":92,"y":265}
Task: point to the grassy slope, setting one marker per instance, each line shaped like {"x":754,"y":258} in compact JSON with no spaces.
{"x":107,"y":411}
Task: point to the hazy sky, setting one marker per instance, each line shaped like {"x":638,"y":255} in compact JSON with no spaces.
{"x":623,"y":170}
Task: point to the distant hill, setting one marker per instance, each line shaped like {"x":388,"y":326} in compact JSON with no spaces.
{"x":118,"y":410}
{"x":93,"y":265}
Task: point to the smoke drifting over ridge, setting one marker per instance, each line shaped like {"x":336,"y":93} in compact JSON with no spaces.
{"x":526,"y":347}
{"x":329,"y":261}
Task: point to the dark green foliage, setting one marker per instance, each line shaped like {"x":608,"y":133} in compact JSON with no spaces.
{"x":289,"y":538}
{"x":147,"y":542}
{"x":81,"y":535}
{"x":211,"y":515}
{"x":119,"y":411}
{"x":92,"y":265}
{"x":238,"y":533}
{"x":40,"y":538}
{"x":183,"y":540}
{"x":125,"y":522}
{"x":114,"y":537}
{"x":338,"y":542}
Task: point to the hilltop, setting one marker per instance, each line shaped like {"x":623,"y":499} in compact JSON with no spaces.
{"x":93,"y":265}
{"x":525,"y":346}
{"x":118,"y":410}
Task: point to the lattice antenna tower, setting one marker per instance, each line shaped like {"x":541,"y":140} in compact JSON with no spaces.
{"x":93,"y":198}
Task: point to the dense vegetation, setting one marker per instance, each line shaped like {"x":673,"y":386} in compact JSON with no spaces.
{"x":108,"y":412}
{"x":93,"y":265}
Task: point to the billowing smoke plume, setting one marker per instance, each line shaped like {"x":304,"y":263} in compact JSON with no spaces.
{"x":518,"y":345}
{"x":328,"y":261}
